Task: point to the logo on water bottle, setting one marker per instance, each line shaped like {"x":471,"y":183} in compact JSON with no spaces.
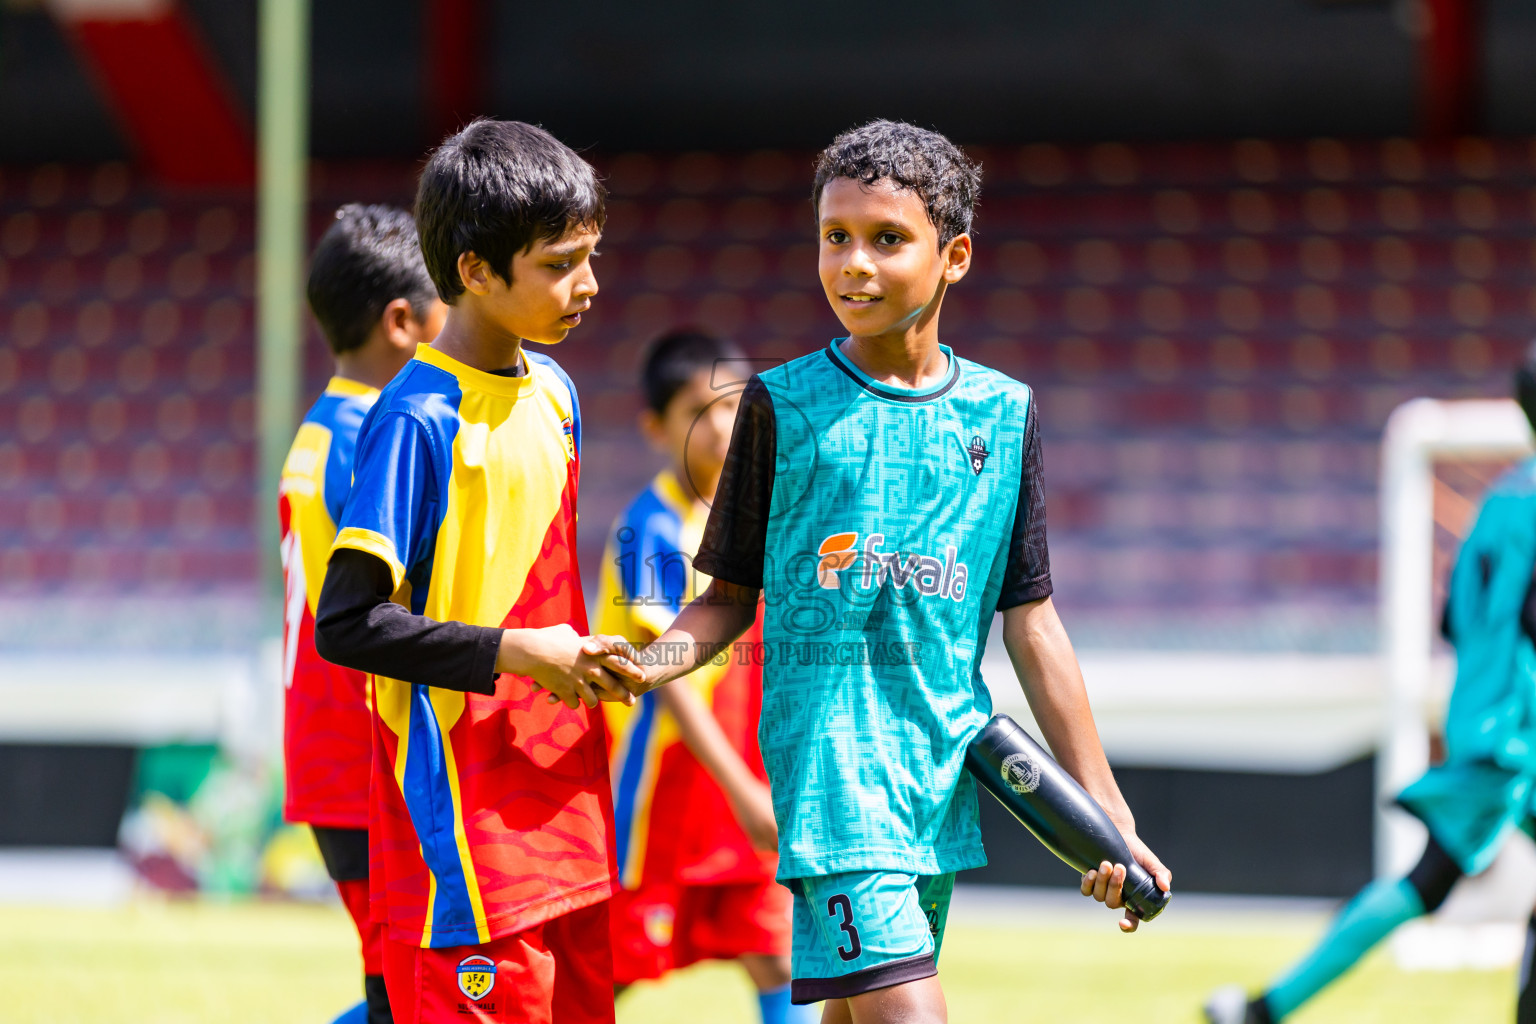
{"x":1021,"y":773}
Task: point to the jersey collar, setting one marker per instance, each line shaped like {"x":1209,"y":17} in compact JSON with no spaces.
{"x":479,"y":380}
{"x":346,"y":388}
{"x":894,"y":392}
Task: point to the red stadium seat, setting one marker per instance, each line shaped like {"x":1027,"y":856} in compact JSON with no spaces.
{"x":1200,"y":321}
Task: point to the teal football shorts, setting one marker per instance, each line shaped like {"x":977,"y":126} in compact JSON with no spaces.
{"x":864,"y":930}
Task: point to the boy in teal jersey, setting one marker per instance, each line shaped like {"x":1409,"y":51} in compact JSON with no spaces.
{"x":1482,"y":791}
{"x":885,"y":497}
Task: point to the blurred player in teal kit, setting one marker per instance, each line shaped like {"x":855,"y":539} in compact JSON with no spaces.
{"x":1482,"y":792}
{"x":885,"y":497}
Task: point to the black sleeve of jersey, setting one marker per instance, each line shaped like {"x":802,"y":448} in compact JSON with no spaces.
{"x":1028,"y":574}
{"x":737,"y":532}
{"x":358,"y":626}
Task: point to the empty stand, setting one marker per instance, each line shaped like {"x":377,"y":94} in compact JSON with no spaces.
{"x":1216,"y":334}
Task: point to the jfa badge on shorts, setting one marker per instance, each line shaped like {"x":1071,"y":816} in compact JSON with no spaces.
{"x":477,"y":976}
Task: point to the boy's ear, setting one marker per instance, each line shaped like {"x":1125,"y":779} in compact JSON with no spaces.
{"x":474,"y":273}
{"x":957,"y":258}
{"x":400,"y":324}
{"x":651,"y":427}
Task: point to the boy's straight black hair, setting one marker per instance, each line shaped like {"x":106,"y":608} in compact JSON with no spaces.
{"x":366,"y":259}
{"x":494,"y":189}
{"x":913,"y":158}
{"x":672,"y":360}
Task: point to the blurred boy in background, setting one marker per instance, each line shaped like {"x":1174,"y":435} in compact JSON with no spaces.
{"x":371,"y":294}
{"x":694,"y":820}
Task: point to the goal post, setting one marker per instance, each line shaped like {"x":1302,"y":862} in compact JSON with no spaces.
{"x":1419,"y":434}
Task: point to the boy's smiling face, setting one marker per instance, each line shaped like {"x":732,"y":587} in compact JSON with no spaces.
{"x":552,"y":285}
{"x":880,"y":261}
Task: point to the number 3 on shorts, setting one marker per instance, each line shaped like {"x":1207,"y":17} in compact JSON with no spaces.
{"x":839,"y":905}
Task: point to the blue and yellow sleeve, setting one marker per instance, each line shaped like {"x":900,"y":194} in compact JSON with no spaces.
{"x":393,"y":509}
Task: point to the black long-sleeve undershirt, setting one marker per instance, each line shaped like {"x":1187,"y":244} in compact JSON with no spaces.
{"x":358,"y":626}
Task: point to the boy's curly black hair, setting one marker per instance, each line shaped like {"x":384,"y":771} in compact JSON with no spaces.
{"x":913,"y":158}
{"x":494,"y":189}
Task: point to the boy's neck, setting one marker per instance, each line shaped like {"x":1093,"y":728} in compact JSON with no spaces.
{"x":686,"y":484}
{"x":907,"y":356}
{"x":476,"y":341}
{"x":373,"y":364}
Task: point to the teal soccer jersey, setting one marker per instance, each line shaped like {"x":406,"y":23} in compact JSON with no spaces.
{"x":1484,"y":788}
{"x":885,"y":527}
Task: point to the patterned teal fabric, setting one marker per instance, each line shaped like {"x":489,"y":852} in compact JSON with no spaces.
{"x":888,"y":546}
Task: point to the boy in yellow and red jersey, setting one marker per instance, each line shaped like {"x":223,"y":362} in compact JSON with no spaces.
{"x":374,"y":301}
{"x":694,"y":821}
{"x":453,"y":580}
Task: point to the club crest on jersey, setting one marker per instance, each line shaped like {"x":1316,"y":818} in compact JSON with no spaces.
{"x":929,"y":576}
{"x":477,"y":976}
{"x":1021,"y":774}
{"x":569,"y":430}
{"x":978,"y":453}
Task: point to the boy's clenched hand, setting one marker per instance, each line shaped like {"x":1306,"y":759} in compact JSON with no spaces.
{"x":1106,"y":882}
{"x":566,"y":665}
{"x":624,"y":660}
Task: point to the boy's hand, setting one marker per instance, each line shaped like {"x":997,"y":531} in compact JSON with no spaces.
{"x":625,"y":661}
{"x":622,"y":660}
{"x":1106,"y":882}
{"x":557,"y":660}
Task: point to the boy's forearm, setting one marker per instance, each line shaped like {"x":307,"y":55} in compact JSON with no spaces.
{"x":359,"y":627}
{"x":713,"y":621}
{"x":1048,"y":671}
{"x":702,"y":735}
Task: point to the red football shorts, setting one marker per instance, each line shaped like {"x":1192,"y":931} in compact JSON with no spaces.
{"x":354,"y":893}
{"x":662,"y":927}
{"x":559,"y":972}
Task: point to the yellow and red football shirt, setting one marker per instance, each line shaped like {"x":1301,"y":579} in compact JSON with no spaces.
{"x":489,"y":814}
{"x":327,"y":731}
{"x":672,"y":821}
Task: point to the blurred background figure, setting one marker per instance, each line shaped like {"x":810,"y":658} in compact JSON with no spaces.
{"x":375,"y":302}
{"x":696,"y":837}
{"x":1480,"y":793}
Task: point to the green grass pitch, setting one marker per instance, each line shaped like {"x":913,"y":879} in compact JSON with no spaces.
{"x":160,"y":963}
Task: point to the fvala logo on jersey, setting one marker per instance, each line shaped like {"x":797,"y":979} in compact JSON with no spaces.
{"x":978,"y":453}
{"x":1021,"y":774}
{"x":568,"y":428}
{"x":836,"y":554}
{"x":928,"y":575}
{"x":477,"y":976}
